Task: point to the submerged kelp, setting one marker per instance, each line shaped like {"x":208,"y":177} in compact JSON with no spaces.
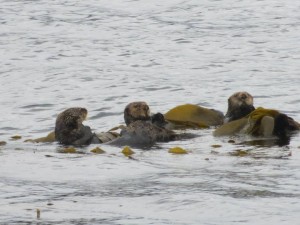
{"x":48,"y":139}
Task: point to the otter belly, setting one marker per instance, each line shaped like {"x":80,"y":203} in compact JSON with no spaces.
{"x":143,"y":134}
{"x":133,"y":140}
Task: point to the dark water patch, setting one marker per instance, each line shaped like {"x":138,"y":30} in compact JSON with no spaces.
{"x":182,"y":41}
{"x":78,"y":99}
{"x":151,"y":64}
{"x":177,"y":89}
{"x":157,"y":88}
{"x":271,"y":142}
{"x":115,"y":97}
{"x":213,"y":65}
{"x":204,"y":104}
{"x":28,"y":221}
{"x":9,"y":128}
{"x":258,"y":42}
{"x":105,"y":114}
{"x":35,"y":110}
{"x":248,"y":194}
{"x":37,"y":106}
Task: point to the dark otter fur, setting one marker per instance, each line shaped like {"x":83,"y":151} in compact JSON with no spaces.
{"x":142,"y":130}
{"x":284,"y":125}
{"x":143,"y":134}
{"x":69,"y":129}
{"x":159,"y":120}
{"x":136,"y":111}
{"x":240,"y":104}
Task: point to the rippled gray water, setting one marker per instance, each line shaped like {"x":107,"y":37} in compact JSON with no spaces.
{"x":104,"y":54}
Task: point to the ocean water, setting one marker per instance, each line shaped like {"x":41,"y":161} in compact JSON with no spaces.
{"x":104,"y":54}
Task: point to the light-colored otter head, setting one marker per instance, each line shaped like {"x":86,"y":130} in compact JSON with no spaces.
{"x":72,"y":116}
{"x":240,"y":104}
{"x":136,"y":111}
{"x":240,"y":98}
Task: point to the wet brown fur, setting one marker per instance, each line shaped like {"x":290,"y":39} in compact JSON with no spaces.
{"x":143,"y":134}
{"x":142,"y":130}
{"x":136,"y":111}
{"x":69,"y":129}
{"x":240,"y":104}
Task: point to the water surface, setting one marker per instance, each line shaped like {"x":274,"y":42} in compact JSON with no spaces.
{"x":104,"y":54}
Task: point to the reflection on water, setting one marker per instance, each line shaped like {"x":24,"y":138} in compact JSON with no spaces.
{"x":104,"y":55}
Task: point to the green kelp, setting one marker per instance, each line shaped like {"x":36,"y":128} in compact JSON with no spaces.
{"x":216,"y":146}
{"x":16,"y":137}
{"x":239,"y":153}
{"x":127,"y":151}
{"x":194,"y":116}
{"x":250,"y":124}
{"x":68,"y":150}
{"x":177,"y":150}
{"x":256,"y":118}
{"x":231,"y":128}
{"x":49,"y":138}
{"x":97,"y":150}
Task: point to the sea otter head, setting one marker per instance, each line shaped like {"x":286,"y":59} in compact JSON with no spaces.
{"x":240,"y":104}
{"x":72,"y":117}
{"x":136,"y":111}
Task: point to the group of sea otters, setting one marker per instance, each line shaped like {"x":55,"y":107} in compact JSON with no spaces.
{"x":144,"y":129}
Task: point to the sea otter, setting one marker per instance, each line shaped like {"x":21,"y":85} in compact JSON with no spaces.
{"x":240,"y":104}
{"x":133,"y":111}
{"x":143,"y":129}
{"x":69,"y":129}
{"x":243,"y":118}
{"x":143,"y":134}
{"x":136,"y":111}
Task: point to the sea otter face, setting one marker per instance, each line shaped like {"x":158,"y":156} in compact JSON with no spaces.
{"x":136,"y":111}
{"x":240,"y":104}
{"x":240,"y":98}
{"x":72,"y":116}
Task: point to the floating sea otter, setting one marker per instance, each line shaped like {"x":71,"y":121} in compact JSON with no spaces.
{"x":69,"y":129}
{"x":142,"y":129}
{"x":245,"y":119}
{"x":240,"y":104}
{"x":136,"y":111}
